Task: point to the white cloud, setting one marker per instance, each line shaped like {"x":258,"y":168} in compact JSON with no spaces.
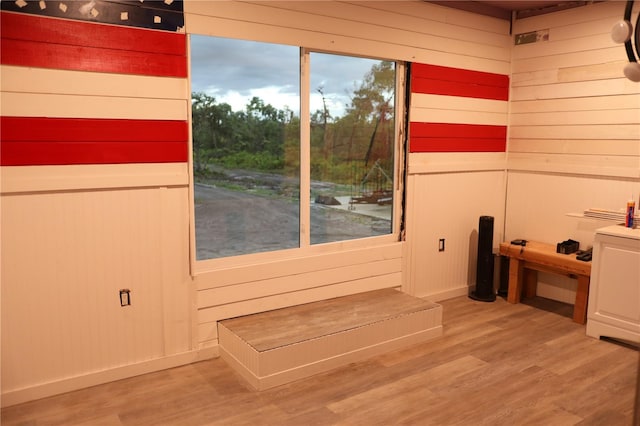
{"x":234,"y":71}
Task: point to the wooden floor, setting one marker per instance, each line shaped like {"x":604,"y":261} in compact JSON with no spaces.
{"x":496,"y":364}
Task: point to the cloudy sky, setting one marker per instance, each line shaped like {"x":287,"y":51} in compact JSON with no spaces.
{"x":233,"y":71}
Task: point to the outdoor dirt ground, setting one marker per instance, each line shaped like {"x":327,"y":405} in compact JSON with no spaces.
{"x":232,"y":222}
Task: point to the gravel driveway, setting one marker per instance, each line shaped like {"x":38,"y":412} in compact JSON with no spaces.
{"x":230,"y":222}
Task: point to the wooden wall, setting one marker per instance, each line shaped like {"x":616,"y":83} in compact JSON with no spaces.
{"x":74,"y":233}
{"x":574,"y":130}
{"x":94,"y":185}
{"x":418,"y":32}
{"x":456,"y":169}
{"x":99,"y":214}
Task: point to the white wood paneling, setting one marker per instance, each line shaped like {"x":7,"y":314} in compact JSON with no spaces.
{"x":572,"y":109}
{"x":432,"y":12}
{"x":434,"y":115}
{"x":566,"y":60}
{"x":618,"y":147}
{"x":242,"y":290}
{"x":582,"y":131}
{"x":79,"y":106}
{"x":274,"y":268}
{"x":573,"y":73}
{"x":51,"y":81}
{"x":208,"y":317}
{"x":582,"y":89}
{"x":266,"y":287}
{"x":571,"y":17}
{"x":456,"y":162}
{"x":574,"y":134}
{"x":621,"y":166}
{"x":313,"y":16}
{"x":74,"y":235}
{"x":409,"y":18}
{"x":538,"y":208}
{"x":611,"y":117}
{"x":400,"y":30}
{"x":448,"y":205}
{"x":549,"y":48}
{"x":595,"y":103}
{"x":86,"y":246}
{"x":357,"y":28}
{"x":458,"y":103}
{"x":87,"y":177}
{"x":106,"y":376}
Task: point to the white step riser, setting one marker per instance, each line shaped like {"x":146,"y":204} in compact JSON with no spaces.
{"x":276,"y":366}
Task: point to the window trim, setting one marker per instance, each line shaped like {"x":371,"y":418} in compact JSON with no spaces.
{"x":202,"y":267}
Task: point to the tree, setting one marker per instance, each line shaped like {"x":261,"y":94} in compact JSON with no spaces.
{"x":369,"y":117}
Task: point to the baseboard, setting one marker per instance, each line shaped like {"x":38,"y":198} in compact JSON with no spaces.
{"x":447,"y":294}
{"x":105,"y":376}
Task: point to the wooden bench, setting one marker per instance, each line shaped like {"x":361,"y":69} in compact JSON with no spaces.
{"x":525,"y":262}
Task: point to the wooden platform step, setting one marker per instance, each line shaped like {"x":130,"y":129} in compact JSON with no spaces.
{"x":276,"y":347}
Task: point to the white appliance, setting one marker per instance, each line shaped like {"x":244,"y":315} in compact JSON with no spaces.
{"x":614,"y":292}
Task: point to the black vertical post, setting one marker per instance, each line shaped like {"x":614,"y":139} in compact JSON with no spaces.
{"x":503,"y":290}
{"x":484,"y":269}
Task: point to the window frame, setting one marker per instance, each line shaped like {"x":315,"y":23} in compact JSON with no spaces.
{"x":305,"y":249}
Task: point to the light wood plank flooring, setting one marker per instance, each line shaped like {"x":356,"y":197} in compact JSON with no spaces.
{"x":496,"y":364}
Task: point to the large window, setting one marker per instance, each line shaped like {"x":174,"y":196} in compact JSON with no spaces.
{"x":352,"y":147}
{"x":290,"y":148}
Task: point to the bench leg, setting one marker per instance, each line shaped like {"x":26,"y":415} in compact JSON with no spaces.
{"x":530,"y":283}
{"x":516,"y":272}
{"x":582,"y":298}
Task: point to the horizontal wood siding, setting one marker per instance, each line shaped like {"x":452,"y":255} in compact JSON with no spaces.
{"x":94,"y":198}
{"x":414,"y":31}
{"x":572,"y":109}
{"x":51,"y":120}
{"x":574,"y":131}
{"x":448,"y":206}
{"x":44,"y":42}
{"x":454,"y":137}
{"x":41,"y":141}
{"x":438,"y":80}
{"x":65,"y":257}
{"x":458,"y":126}
{"x":92,"y":176}
{"x":254,"y":288}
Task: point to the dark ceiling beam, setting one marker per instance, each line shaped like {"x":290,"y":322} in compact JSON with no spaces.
{"x":520,"y":14}
{"x":503,"y":11}
{"x":477,"y":7}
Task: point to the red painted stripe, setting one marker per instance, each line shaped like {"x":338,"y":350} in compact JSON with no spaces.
{"x":435,"y":72}
{"x":78,"y":58}
{"x":437,"y":80}
{"x":451,"y":88}
{"x":69,"y":153}
{"x":82,"y":52}
{"x":91,"y":129}
{"x":451,"y":137}
{"x":20,"y":26}
{"x":454,"y":130}
{"x":49,"y":141}
{"x":456,"y":145}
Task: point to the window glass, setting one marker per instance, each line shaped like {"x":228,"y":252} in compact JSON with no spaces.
{"x":246,"y":146}
{"x":246,"y":131}
{"x":352,"y":146}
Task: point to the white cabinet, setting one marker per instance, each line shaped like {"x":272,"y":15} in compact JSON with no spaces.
{"x":614,"y":293}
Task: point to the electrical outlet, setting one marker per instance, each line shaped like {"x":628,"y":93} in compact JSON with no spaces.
{"x":441,"y":244}
{"x":125,"y":297}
